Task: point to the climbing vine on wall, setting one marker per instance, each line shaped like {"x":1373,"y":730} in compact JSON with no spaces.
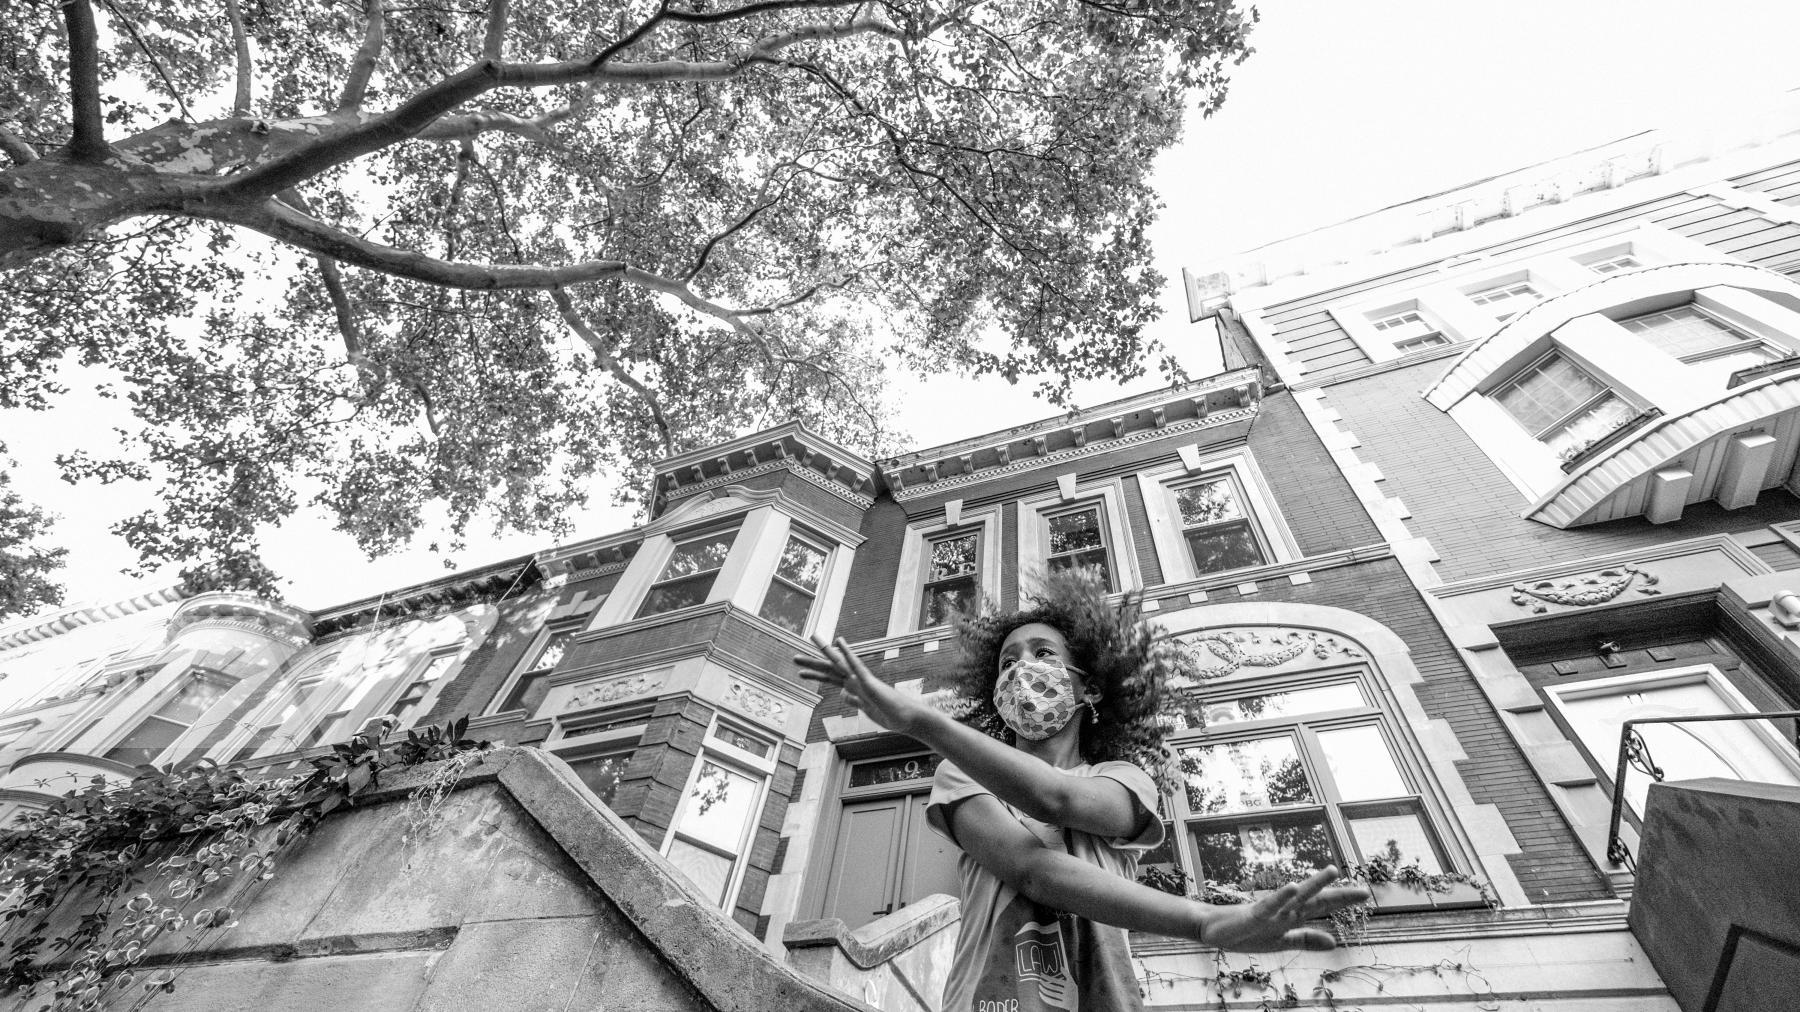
{"x":118,"y":869}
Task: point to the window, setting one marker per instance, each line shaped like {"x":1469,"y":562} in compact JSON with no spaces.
{"x":1613,"y":264}
{"x":1559,"y":403}
{"x":406,"y":708}
{"x":295,"y":699}
{"x":601,"y":772}
{"x":1078,"y":541}
{"x":608,"y":719}
{"x":952,"y":576}
{"x":795,"y":585}
{"x":1217,"y":530}
{"x":1692,"y":335}
{"x":718,"y":814}
{"x":177,"y":713}
{"x":1293,"y":778}
{"x":688,"y":576}
{"x":527,"y":688}
{"x":1409,"y":331}
{"x":1508,"y":300}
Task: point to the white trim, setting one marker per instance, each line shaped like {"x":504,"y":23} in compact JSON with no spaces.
{"x":735,"y":760}
{"x":903,"y":613}
{"x":1032,"y":557}
{"x":1165,"y":521}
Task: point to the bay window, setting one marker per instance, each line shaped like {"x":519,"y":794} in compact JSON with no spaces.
{"x":718,"y":814}
{"x":687,"y":578}
{"x":795,"y":586}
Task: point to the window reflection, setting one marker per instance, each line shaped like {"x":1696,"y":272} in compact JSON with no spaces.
{"x":1264,"y":854}
{"x":1244,"y":775}
{"x":715,"y":818}
{"x":1215,"y":527}
{"x":952,"y":578}
{"x":688,"y":576}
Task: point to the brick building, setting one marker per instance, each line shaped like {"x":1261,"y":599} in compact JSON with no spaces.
{"x":1421,"y":588}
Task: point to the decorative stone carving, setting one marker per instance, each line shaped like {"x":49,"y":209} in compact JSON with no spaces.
{"x":754,"y":702}
{"x":1217,"y":653}
{"x":612,"y":690}
{"x":1585,"y":590}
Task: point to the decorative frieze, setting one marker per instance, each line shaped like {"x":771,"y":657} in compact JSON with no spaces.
{"x":1220,"y":652}
{"x":1584,"y":590}
{"x":611,"y":690}
{"x":754,"y":702}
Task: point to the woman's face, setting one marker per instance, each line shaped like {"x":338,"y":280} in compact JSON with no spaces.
{"x":1036,"y":641}
{"x":1040,"y":702}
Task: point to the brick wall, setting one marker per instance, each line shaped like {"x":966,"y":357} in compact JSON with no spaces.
{"x":1313,"y":496}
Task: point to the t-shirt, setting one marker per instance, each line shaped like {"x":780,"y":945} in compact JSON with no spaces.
{"x":1015,"y":955}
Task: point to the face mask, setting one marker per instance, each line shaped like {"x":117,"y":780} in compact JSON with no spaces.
{"x":1036,"y":698}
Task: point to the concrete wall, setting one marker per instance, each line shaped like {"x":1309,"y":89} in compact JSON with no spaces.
{"x":1718,"y":894}
{"x":525,"y":894}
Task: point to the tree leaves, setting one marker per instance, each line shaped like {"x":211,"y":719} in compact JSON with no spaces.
{"x":756,"y":213}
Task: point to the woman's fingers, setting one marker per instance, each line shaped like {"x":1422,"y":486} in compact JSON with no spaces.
{"x":1302,"y":892}
{"x":1309,"y":939}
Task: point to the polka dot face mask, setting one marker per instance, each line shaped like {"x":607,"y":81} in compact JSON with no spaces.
{"x":1036,"y":698}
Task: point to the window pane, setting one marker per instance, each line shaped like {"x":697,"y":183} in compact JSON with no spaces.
{"x":718,"y":808}
{"x":702,"y":555}
{"x":894,"y":771}
{"x":709,"y":872}
{"x":1377,"y":829}
{"x":680,"y":594}
{"x":601,"y":773}
{"x":1592,"y":423}
{"x":1361,"y":763}
{"x":801,"y":564}
{"x":952,"y":557}
{"x":753,"y":744}
{"x":194,"y":699}
{"x":1546,"y":391}
{"x":1075,"y":532}
{"x":1507,"y":300}
{"x":945,"y":598}
{"x":1228,"y":546}
{"x":147,"y":741}
{"x":1245,"y":854}
{"x":1613,"y":265}
{"x":1095,"y":559}
{"x":527,"y":692}
{"x":1684,"y":331}
{"x":554,"y":648}
{"x":786,"y":607}
{"x":1311,"y":699}
{"x":1209,"y":502}
{"x":1244,"y":775}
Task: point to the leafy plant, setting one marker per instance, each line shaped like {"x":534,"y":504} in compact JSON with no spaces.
{"x":93,"y":859}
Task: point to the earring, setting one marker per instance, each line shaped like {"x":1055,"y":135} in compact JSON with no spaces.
{"x":1093,"y":713}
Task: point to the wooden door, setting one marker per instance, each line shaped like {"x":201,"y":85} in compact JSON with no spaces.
{"x":866,"y":860}
{"x":930,"y":865}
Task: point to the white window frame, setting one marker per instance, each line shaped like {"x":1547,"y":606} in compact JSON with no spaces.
{"x":528,"y":665}
{"x":1611,"y":389}
{"x":1159,"y":485}
{"x":1526,"y":278}
{"x":627,"y":736}
{"x":126,"y":728}
{"x":455,"y":651}
{"x":1034,"y":512}
{"x":908,"y":603}
{"x":748,"y":764}
{"x":826,"y":584}
{"x":1559,"y":694}
{"x":676,"y":541}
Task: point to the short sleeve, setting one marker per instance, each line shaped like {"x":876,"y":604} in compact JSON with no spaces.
{"x":1143,"y":791}
{"x":949,"y":785}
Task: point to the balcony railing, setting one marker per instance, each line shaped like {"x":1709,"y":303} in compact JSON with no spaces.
{"x":1634,"y":753}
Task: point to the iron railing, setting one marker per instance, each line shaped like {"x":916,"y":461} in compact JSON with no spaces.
{"x":1634,"y":753}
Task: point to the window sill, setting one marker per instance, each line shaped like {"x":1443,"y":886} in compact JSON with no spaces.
{"x":1757,"y":372}
{"x":1611,"y":439}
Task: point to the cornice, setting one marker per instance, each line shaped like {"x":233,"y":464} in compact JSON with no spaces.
{"x":1725,"y":544}
{"x":844,"y":492}
{"x":44,"y":627}
{"x":1083,"y":449}
{"x":833,"y":468}
{"x":490,"y":583}
{"x":243,"y":612}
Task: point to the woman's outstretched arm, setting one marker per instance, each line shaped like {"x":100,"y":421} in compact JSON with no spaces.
{"x":999,"y":843}
{"x":1097,"y":805}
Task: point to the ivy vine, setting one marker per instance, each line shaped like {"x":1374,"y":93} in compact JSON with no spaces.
{"x":93,"y":859}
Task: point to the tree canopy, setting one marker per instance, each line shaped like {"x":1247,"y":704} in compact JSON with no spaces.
{"x":372,"y":255}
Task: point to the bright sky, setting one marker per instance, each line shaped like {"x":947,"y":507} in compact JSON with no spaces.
{"x":1346,"y":107}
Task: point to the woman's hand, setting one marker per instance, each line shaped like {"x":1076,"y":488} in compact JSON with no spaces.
{"x":879,"y":701}
{"x":1274,"y":922}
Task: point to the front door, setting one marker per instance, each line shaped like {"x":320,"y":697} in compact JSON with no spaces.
{"x":885,"y":855}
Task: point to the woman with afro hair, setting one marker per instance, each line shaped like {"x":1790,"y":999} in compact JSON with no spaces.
{"x":1049,"y":731}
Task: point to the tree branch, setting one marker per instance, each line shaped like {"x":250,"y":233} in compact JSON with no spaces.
{"x":88,"y":142}
{"x":498,"y":11}
{"x":156,"y":64}
{"x":570,"y":315}
{"x":240,"y":41}
{"x":362,"y":66}
{"x":15,"y":147}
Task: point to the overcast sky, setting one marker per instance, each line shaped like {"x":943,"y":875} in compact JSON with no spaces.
{"x":1346,"y":107}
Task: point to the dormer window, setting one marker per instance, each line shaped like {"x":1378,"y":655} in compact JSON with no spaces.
{"x":1691,"y":334}
{"x":1508,"y":300}
{"x":1562,"y":404}
{"x":1410,"y":331}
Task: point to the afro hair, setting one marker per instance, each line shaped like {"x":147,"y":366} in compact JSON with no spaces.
{"x":1123,"y":659}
